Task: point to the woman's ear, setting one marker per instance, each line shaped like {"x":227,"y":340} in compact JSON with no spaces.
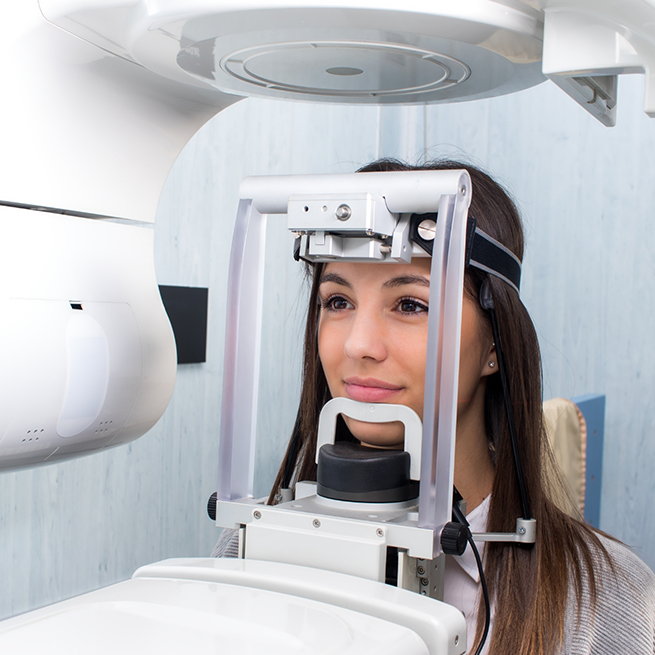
{"x":492,"y":361}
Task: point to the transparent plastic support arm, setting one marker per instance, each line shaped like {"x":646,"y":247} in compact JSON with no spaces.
{"x":242,"y":354}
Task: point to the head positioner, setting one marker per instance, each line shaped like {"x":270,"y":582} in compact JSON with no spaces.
{"x":359,"y":217}
{"x":359,"y":227}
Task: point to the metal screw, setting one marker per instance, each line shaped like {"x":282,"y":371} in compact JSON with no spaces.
{"x":427,"y":229}
{"x":379,"y":532}
{"x":424,"y":582}
{"x":521,"y":530}
{"x":424,"y":592}
{"x":463,"y":190}
{"x":420,"y":570}
{"x":316,"y":523}
{"x":343,"y":212}
{"x":456,"y":640}
{"x":257,"y":514}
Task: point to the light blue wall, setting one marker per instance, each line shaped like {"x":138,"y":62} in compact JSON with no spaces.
{"x":587,"y":194}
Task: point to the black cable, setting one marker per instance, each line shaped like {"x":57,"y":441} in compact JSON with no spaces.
{"x":487,"y":302}
{"x":458,"y":516}
{"x":485,"y":595}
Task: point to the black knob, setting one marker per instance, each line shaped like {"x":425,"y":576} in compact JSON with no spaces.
{"x":211,"y":506}
{"x":454,"y":538}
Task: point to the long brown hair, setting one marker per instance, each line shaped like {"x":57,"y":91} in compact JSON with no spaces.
{"x":528,"y":585}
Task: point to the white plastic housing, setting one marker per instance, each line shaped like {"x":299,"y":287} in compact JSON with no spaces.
{"x":378,"y":51}
{"x":370,"y":51}
{"x":211,"y":607}
{"x":87,"y":354}
{"x":84,"y":130}
{"x":599,"y":37}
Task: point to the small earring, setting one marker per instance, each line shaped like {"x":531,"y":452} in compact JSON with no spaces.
{"x":492,"y":364}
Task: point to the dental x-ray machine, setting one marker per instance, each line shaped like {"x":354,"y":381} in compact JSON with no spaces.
{"x":99,"y":97}
{"x":335,"y":536}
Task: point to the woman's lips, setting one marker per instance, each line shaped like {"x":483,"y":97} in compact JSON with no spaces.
{"x":370,"y":390}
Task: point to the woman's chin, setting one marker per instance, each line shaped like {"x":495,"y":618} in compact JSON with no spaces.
{"x":377,"y":435}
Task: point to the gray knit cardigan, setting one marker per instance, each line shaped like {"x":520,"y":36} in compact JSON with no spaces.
{"x":623,"y":621}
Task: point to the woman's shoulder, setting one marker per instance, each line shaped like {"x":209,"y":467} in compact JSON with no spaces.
{"x":629,"y":568}
{"x":622,"y":619}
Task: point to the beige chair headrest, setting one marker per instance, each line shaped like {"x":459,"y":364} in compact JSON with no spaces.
{"x":567,"y":434}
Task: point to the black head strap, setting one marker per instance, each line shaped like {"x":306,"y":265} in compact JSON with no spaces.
{"x":493,"y":257}
{"x":482,"y":251}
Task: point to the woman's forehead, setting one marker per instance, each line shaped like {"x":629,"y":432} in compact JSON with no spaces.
{"x":417,"y":272}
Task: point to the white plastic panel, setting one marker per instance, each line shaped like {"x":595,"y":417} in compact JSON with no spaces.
{"x":84,"y":130}
{"x":363,"y":555}
{"x":87,"y":374}
{"x":174,"y":617}
{"x":87,"y":352}
{"x":52,"y":389}
{"x":218,"y":606}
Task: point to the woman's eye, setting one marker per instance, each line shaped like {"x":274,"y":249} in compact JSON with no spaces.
{"x":336,"y":303}
{"x":409,"y":306}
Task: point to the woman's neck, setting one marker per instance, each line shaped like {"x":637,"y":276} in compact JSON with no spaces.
{"x":474,"y":470}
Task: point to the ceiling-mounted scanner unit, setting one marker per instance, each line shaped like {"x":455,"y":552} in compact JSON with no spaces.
{"x":379,"y":51}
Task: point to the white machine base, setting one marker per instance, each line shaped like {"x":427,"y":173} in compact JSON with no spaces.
{"x":205,"y":606}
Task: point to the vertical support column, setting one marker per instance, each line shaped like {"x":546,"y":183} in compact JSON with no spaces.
{"x":441,"y":382}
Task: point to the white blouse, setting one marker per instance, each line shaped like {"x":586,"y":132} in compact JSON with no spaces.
{"x":462,"y":580}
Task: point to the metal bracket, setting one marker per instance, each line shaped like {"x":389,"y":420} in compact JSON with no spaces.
{"x":526,"y":533}
{"x":423,"y":576}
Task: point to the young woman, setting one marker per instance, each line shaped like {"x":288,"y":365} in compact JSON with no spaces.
{"x":574,"y":590}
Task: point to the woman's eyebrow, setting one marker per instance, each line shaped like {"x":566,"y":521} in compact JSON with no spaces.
{"x":337,"y":279}
{"x":406,"y":279}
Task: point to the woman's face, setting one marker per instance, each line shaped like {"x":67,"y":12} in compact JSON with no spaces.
{"x":372,"y":341}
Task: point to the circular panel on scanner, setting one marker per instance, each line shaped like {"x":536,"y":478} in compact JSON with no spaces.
{"x":180,"y":616}
{"x":345,"y":70}
{"x":388,"y":52}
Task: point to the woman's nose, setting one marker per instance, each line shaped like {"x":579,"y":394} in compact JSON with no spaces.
{"x":366,"y":337}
